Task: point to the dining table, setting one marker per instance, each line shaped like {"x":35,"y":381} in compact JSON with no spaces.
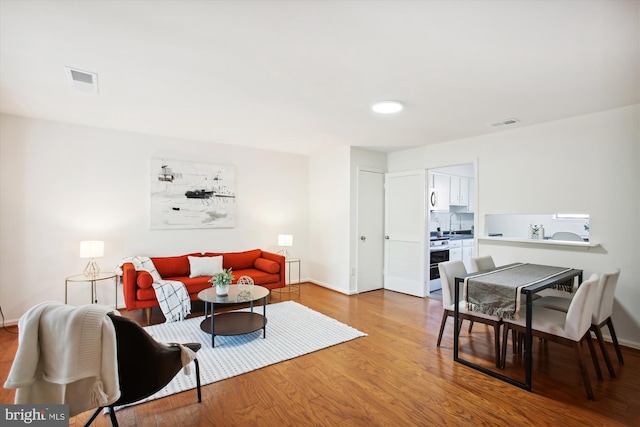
{"x":500,"y":291}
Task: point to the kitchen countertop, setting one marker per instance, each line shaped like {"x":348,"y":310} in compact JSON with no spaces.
{"x":460,"y":235}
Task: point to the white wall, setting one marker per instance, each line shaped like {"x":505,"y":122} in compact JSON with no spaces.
{"x":587,"y":164}
{"x":333,"y":194}
{"x":329,"y":211}
{"x":63,"y":183}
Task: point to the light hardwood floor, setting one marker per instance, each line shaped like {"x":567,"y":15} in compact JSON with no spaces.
{"x":396,"y":376}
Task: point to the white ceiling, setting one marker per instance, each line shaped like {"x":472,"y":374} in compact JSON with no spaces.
{"x":300,"y":76}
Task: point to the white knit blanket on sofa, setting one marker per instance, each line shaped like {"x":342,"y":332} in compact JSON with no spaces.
{"x":172,"y":295}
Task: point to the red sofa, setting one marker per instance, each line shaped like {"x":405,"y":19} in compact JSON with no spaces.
{"x":265,"y":268}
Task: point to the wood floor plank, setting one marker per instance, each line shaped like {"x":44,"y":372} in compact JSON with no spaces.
{"x":394,"y":376}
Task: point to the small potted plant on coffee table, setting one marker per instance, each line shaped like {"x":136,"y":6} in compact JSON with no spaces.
{"x":222,"y":281}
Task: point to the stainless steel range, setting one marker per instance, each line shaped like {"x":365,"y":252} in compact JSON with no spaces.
{"x":438,"y":252}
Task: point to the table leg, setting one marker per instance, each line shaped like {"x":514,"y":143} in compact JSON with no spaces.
{"x":528,"y":341}
{"x":94,"y":293}
{"x":213,"y":331}
{"x":456,"y":319}
{"x":264,"y":317}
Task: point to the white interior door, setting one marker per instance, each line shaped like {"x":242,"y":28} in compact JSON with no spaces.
{"x":370,"y":230}
{"x":404,"y":252}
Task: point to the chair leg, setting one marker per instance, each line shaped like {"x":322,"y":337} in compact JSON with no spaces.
{"x":445,"y":314}
{"x":605,"y":354}
{"x":112,"y":414}
{"x":93,"y":417}
{"x":505,"y":335}
{"x":583,"y":370}
{"x":615,"y":341}
{"x":497,"y":349}
{"x":198,"y":380}
{"x":147,"y":315}
{"x":520,"y":342}
{"x":594,"y":358}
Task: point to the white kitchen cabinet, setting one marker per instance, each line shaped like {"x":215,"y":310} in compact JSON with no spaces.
{"x":467,"y":252}
{"x":455,"y":250}
{"x":459,"y":191}
{"x":461,"y":250}
{"x":439,"y":192}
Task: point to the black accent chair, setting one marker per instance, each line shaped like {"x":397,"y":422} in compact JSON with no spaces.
{"x":144,"y":365}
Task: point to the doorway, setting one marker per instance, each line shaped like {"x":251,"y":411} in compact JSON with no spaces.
{"x":451,"y":201}
{"x":370,"y":247}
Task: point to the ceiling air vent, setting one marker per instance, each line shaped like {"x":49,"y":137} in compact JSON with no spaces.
{"x":505,"y":122}
{"x":83,"y":81}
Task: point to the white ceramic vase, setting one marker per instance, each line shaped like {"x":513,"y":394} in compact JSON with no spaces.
{"x":222,"y":290}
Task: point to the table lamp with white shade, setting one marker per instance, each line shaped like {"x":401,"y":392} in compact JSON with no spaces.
{"x":284,"y":241}
{"x":91,"y":249}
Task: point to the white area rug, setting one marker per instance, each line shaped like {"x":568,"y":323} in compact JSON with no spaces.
{"x":292,"y":330}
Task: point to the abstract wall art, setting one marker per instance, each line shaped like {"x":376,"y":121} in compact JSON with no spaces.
{"x":192,"y":195}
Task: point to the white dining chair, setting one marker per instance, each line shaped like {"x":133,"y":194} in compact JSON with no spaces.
{"x":602,"y":310}
{"x":482,"y":263}
{"x":570,"y":328}
{"x":449,"y":270}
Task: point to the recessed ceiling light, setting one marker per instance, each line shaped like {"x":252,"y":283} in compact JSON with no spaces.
{"x":387,"y":107}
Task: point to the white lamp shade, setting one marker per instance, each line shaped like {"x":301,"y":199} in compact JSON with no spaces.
{"x":91,"y":249}
{"x":285,"y":240}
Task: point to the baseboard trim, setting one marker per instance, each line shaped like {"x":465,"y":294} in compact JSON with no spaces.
{"x":333,"y":288}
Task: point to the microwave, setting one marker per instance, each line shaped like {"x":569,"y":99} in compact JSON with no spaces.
{"x":433,"y":199}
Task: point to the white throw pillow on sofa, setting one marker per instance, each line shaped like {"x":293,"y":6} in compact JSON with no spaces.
{"x":205,"y":265}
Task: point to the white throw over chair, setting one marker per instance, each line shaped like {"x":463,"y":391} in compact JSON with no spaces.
{"x":478,"y":264}
{"x":602,"y":309}
{"x":482,"y":263}
{"x":569,"y":328}
{"x":449,"y":270}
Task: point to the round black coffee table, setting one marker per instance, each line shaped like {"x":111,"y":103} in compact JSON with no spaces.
{"x":234,"y":322}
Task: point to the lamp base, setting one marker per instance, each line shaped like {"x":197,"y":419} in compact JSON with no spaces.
{"x":92,"y":270}
{"x":284,"y":252}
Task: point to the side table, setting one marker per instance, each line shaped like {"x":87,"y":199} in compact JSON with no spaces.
{"x":92,"y":280}
{"x":290,"y":287}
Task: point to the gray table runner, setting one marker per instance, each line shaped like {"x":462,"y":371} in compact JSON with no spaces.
{"x":497,"y":292}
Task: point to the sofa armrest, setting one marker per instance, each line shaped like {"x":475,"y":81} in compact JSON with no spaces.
{"x":129,"y":285}
{"x":280,"y":260}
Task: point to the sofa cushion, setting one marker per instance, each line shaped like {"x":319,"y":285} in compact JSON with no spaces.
{"x":194,"y":284}
{"x":259,"y":277}
{"x":144,"y":280}
{"x":240,"y":260}
{"x":204,"y":265}
{"x":172,"y":266}
{"x":266,"y":265}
